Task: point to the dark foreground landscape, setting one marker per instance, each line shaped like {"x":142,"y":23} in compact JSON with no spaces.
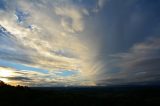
{"x":80,"y":96}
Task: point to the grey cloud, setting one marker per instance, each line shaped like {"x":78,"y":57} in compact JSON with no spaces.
{"x":11,"y":49}
{"x":19,"y":78}
{"x":140,"y":65}
{"x":100,"y":4}
{"x":65,"y":53}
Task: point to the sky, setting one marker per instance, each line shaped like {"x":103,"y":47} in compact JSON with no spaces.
{"x":79,"y":42}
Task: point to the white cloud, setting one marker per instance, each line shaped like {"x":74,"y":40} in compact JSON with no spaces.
{"x":42,"y":44}
{"x":71,"y":17}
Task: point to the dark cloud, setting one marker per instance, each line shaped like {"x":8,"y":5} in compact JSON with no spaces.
{"x":140,"y":65}
{"x":121,"y":24}
{"x":19,"y":78}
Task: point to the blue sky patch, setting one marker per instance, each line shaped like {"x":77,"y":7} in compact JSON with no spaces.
{"x":21,"y":66}
{"x":66,"y":73}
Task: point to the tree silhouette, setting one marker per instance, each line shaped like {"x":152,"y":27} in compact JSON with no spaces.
{"x":2,"y":83}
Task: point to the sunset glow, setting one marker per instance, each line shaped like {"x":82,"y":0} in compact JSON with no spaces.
{"x":5,"y":73}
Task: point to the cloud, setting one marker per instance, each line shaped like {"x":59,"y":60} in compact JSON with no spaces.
{"x":59,"y":43}
{"x":18,"y":78}
{"x":42,"y":40}
{"x":99,"y":5}
{"x":139,"y":65}
{"x":71,"y":17}
{"x":50,"y":39}
{"x":13,"y":76}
